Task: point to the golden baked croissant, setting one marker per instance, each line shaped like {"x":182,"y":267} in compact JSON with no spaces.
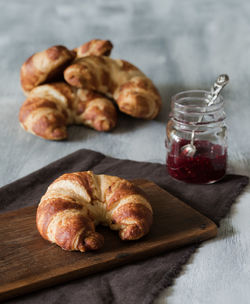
{"x":95,"y":47}
{"x":49,"y":108}
{"x":76,"y":202}
{"x":44,"y":66}
{"x":49,"y":64}
{"x":134,"y":92}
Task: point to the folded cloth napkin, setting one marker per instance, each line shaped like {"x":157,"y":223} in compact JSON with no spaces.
{"x":139,"y":282}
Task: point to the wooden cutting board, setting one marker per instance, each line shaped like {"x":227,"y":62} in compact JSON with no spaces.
{"x":28,"y":262}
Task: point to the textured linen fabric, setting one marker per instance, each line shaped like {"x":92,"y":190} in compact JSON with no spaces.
{"x":139,"y":282}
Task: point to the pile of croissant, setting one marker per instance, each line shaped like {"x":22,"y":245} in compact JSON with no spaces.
{"x":82,"y":86}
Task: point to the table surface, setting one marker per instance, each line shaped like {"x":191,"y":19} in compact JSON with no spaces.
{"x":180,"y":45}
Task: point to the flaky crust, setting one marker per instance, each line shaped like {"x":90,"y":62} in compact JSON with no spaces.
{"x":95,"y":47}
{"x":44,"y":66}
{"x":76,"y":202}
{"x":49,"y":64}
{"x":50,"y":108}
{"x":134,"y":93}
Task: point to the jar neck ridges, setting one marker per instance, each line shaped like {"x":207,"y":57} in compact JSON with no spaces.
{"x":190,"y":109}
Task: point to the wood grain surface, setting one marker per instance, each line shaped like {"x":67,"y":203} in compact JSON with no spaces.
{"x":28,"y":262}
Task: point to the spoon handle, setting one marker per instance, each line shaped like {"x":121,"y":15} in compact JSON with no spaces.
{"x":219,"y":84}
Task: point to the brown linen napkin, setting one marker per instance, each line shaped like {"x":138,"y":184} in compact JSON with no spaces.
{"x":140,"y":282}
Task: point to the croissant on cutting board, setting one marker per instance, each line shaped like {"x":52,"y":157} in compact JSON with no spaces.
{"x":77,"y":202}
{"x":93,"y":79}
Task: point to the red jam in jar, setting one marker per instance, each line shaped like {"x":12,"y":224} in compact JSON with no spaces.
{"x":206,"y":166}
{"x":192,"y":118}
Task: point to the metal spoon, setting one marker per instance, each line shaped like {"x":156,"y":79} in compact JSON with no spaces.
{"x":190,"y":149}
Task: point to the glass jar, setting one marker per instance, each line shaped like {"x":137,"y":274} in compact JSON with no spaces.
{"x":190,"y":113}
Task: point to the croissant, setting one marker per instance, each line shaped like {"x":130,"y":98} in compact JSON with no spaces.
{"x":44,"y":66}
{"x":76,"y":202}
{"x":49,"y":108}
{"x":95,"y":47}
{"x":134,"y":93}
{"x":49,"y":64}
